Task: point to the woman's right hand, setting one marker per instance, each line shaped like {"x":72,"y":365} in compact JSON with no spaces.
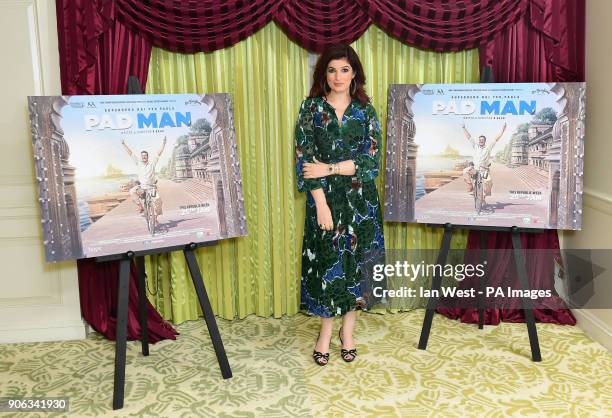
{"x":324,"y":217}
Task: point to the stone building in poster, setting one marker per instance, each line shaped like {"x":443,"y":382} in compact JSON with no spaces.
{"x":400,"y":183}
{"x":55,"y":178}
{"x":209,"y":159}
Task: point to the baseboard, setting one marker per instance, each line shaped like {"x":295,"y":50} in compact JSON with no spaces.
{"x":595,"y":328}
{"x":31,"y":335}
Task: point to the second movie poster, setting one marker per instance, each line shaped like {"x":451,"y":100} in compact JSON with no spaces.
{"x":495,"y":155}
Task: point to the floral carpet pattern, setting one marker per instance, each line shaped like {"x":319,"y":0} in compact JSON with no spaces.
{"x":464,"y":372}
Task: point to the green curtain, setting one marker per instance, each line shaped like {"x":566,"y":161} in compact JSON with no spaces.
{"x":268,"y":77}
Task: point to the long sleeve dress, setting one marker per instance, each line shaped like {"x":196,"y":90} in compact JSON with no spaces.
{"x":335,"y":263}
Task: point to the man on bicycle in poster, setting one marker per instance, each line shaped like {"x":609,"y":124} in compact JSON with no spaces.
{"x":146,"y":176}
{"x":481,"y":160}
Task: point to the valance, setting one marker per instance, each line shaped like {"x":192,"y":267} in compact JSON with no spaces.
{"x":315,"y":24}
{"x":208,"y":25}
{"x":195,"y":26}
{"x":86,"y":27}
{"x":443,"y":25}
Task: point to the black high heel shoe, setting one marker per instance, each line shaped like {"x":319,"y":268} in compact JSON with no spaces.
{"x":320,"y":358}
{"x":347,"y":355}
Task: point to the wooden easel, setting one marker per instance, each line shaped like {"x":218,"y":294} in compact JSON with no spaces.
{"x":519,"y":259}
{"x":125,"y":261}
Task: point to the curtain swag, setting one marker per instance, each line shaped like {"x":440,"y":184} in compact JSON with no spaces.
{"x":444,"y":26}
{"x":208,"y":25}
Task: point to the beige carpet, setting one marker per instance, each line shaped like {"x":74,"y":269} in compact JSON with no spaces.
{"x":464,"y":372}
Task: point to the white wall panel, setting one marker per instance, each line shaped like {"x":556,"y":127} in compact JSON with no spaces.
{"x":38,"y":301}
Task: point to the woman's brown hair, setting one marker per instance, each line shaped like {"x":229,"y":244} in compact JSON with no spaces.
{"x":333,"y":52}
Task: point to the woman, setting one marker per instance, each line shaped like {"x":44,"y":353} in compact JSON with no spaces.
{"x":337,"y":140}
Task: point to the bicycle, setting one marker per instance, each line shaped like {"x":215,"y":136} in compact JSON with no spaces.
{"x":478,"y":187}
{"x":147,"y":200}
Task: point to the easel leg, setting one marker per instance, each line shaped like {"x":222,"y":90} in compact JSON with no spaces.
{"x":483,"y":252}
{"x":121,"y":334}
{"x":435,"y":287}
{"x":142,"y":305}
{"x":209,"y":316}
{"x":527,"y":307}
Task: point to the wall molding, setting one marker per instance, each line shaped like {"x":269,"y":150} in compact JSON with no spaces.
{"x":67,"y":331}
{"x":594,"y":327}
{"x":20,"y":3}
{"x":597,"y":200}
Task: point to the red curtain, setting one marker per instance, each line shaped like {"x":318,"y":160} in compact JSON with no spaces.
{"x":98,"y":293}
{"x":97,"y":54}
{"x":501,"y":272}
{"x":545,"y":45}
{"x":88,"y":28}
{"x":533,"y":37}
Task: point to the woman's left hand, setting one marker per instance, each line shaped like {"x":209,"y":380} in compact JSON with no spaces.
{"x":315,"y":170}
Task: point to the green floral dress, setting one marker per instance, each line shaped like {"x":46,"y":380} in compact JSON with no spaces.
{"x":336,"y":264}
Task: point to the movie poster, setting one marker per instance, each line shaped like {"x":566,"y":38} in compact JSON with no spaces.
{"x":135,"y":172}
{"x":500,"y":155}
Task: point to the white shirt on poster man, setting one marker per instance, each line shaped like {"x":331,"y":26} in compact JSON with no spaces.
{"x":482,"y":152}
{"x":146,"y":174}
{"x":146,"y":171}
{"x":481,"y":158}
{"x":482,"y":155}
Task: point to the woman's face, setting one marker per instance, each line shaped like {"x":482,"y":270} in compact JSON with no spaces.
{"x":339,"y":75}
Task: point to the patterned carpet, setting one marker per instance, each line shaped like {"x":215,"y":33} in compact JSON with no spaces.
{"x":464,"y":372}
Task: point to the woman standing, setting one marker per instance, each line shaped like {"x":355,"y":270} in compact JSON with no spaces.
{"x":337,"y":140}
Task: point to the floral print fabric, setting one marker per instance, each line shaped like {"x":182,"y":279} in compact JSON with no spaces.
{"x":335,"y":263}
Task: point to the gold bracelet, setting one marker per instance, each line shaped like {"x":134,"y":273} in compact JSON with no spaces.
{"x":336,"y":168}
